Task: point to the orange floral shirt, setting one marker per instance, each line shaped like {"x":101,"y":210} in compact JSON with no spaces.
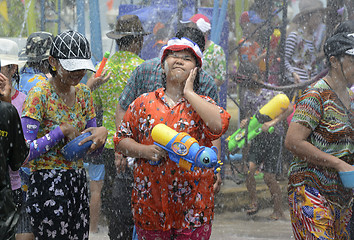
{"x":166,"y":196}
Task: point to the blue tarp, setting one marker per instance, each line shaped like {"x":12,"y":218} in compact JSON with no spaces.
{"x":165,"y":11}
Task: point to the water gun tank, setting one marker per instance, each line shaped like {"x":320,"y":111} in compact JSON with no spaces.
{"x":162,"y":134}
{"x":275,"y":106}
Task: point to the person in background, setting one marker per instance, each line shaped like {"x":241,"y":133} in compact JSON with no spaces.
{"x":266,"y":148}
{"x":300,"y":48}
{"x":9,"y":67}
{"x":13,"y":153}
{"x":36,"y":53}
{"x":178,"y":204}
{"x":149,"y":76}
{"x":55,"y":112}
{"x":321,"y":136}
{"x":214,"y":59}
{"x":129,"y":36}
{"x":249,"y":50}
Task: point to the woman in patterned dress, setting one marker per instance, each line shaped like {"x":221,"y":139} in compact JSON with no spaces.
{"x":55,"y":112}
{"x":321,"y":137}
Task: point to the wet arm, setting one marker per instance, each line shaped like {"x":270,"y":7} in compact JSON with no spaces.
{"x":129,"y":147}
{"x":119,"y":115}
{"x":296,"y":142}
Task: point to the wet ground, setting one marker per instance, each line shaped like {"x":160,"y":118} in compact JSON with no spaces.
{"x":230,"y":224}
{"x":239,"y":226}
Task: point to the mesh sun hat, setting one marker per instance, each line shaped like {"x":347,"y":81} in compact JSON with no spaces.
{"x":202,"y":22}
{"x":73,"y":51}
{"x":176,"y":45}
{"x":9,"y":53}
{"x":341,"y":43}
{"x":38,"y":46}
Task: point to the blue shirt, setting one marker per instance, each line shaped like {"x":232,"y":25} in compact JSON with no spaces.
{"x":29,"y":78}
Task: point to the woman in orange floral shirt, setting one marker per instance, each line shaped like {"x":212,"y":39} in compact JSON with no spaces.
{"x":168,"y":201}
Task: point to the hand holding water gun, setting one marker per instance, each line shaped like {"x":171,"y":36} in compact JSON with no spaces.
{"x":267,"y":113}
{"x":184,"y":149}
{"x":98,"y":78}
{"x":103,"y":64}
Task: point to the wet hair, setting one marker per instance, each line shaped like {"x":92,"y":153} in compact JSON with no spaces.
{"x":42,"y":65}
{"x":16,"y":75}
{"x":128,"y":40}
{"x":346,"y":26}
{"x":248,"y":69}
{"x":193,"y":34}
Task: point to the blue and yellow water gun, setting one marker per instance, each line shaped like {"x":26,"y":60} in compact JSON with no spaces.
{"x":184,"y":149}
{"x":268,"y":112}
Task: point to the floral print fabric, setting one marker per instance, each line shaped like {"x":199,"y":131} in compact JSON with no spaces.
{"x":58,"y":204}
{"x":44,"y":105}
{"x":214,"y":62}
{"x":121,"y":65}
{"x":166,"y":196}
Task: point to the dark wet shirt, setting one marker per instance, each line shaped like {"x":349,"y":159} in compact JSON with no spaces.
{"x":13,"y":152}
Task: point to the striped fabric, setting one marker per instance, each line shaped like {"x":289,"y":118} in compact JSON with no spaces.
{"x":320,"y":109}
{"x":300,"y":56}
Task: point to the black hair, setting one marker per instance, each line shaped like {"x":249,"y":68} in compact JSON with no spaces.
{"x":128,"y":40}
{"x":247,"y":70}
{"x":41,"y":66}
{"x":346,"y":26}
{"x":193,"y":34}
{"x":16,"y":75}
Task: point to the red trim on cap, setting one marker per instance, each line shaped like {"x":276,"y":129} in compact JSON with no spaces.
{"x":198,"y":16}
{"x":178,"y":48}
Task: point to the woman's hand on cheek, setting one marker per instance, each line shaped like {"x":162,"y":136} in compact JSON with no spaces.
{"x":188,"y":87}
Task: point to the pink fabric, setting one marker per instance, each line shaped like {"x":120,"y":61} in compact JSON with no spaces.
{"x":17,"y":100}
{"x":288,"y":119}
{"x":202,"y":232}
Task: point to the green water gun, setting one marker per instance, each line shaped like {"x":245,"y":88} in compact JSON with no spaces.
{"x":268,"y":112}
